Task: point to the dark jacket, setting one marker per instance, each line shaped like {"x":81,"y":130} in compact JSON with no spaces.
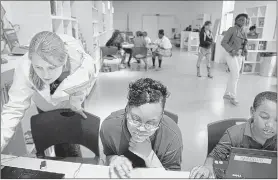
{"x":205,"y":41}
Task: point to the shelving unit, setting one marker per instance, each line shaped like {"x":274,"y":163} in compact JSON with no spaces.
{"x":262,"y":17}
{"x":190,"y":41}
{"x":200,"y":21}
{"x":92,"y":25}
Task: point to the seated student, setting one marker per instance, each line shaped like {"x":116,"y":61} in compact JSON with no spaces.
{"x":147,"y":38}
{"x":126,"y":50}
{"x":139,"y":41}
{"x":164,"y":48}
{"x":259,"y":132}
{"x":141,"y":135}
{"x":252,"y":33}
{"x":116,"y":40}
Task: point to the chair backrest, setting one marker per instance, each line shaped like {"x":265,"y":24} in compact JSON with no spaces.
{"x":217,"y":129}
{"x":111,"y":50}
{"x":65,"y":126}
{"x":173,"y":116}
{"x":139,"y":52}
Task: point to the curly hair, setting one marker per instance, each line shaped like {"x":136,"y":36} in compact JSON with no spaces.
{"x":266,"y":95}
{"x":147,"y":90}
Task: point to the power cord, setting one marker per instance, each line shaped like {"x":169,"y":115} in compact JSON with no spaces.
{"x":78,"y":169}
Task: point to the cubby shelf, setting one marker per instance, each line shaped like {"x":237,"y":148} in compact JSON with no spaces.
{"x":261,"y":17}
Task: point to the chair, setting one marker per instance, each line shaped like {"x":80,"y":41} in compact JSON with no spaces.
{"x":111,"y":61}
{"x":140,"y":53}
{"x":173,"y":116}
{"x":65,"y":126}
{"x":217,"y":129}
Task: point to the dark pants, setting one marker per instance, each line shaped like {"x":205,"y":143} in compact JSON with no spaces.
{"x":127,"y":51}
{"x":65,"y":149}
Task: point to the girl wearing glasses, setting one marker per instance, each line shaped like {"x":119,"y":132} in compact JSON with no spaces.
{"x":141,"y":135}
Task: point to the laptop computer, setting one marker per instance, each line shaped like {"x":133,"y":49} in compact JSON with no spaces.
{"x":252,"y":164}
{"x":12,"y":40}
{"x":8,"y":172}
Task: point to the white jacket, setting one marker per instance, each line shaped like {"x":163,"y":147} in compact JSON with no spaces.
{"x":164,"y":42}
{"x":23,"y":90}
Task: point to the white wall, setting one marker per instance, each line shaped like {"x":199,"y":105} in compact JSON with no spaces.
{"x":185,"y":11}
{"x":37,"y":19}
{"x":240,"y":6}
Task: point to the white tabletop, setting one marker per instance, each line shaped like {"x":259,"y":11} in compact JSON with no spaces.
{"x":128,"y":46}
{"x":78,"y":170}
{"x":12,"y":62}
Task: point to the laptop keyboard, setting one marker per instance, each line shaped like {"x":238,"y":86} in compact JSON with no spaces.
{"x":20,"y":173}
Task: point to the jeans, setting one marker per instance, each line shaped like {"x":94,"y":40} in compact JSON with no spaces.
{"x":234,"y":64}
{"x":203,"y":52}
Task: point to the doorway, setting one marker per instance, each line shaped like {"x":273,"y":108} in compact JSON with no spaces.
{"x":153,"y":22}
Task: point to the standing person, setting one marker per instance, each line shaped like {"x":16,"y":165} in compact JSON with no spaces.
{"x":141,"y":135}
{"x":206,"y":41}
{"x":164,"y":47}
{"x":53,"y":64}
{"x":235,"y":42}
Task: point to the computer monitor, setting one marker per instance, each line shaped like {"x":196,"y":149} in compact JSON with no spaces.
{"x":252,"y":164}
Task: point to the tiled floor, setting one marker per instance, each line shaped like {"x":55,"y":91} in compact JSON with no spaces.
{"x":197,"y":101}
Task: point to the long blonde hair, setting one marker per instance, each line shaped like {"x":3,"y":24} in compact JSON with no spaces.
{"x":47,"y":44}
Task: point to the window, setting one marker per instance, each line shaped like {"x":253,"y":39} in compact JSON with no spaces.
{"x":227,"y":15}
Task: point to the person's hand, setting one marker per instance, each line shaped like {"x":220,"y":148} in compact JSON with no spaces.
{"x":202,"y":172}
{"x":76,"y":107}
{"x":234,"y":53}
{"x":141,"y":149}
{"x":120,"y":167}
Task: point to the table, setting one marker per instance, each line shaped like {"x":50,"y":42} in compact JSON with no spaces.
{"x":12,"y":62}
{"x":128,"y":46}
{"x":78,"y":170}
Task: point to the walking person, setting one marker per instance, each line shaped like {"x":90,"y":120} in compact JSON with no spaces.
{"x":235,"y":43}
{"x":206,"y":41}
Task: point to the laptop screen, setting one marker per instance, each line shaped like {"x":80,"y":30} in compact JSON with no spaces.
{"x":250,"y":163}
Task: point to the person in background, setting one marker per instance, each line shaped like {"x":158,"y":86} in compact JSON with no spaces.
{"x":117,"y":40}
{"x":126,"y":40}
{"x":206,"y":41}
{"x":189,"y":28}
{"x":235,"y":44}
{"x":141,"y":135}
{"x":252,"y":33}
{"x":164,"y":47}
{"x":138,"y":41}
{"x":147,"y":39}
{"x":53,"y":64}
{"x":259,"y":132}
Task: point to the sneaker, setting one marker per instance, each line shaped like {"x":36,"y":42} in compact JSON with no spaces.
{"x":158,"y":69}
{"x":210,"y":76}
{"x":234,"y":101}
{"x":153,"y":67}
